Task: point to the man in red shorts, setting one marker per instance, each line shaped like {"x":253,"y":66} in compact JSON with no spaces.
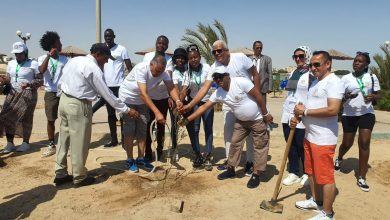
{"x":319,"y":115}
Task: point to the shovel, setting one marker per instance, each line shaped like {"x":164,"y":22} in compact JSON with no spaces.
{"x":273,"y":205}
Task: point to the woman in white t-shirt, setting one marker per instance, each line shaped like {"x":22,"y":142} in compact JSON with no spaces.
{"x":361,"y":90}
{"x":17,"y":114}
{"x":199,"y":75}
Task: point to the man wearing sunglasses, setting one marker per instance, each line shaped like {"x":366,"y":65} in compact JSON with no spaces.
{"x":237,"y":65}
{"x":251,"y":116}
{"x":319,"y":115}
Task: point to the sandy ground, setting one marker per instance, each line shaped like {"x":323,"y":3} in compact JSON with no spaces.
{"x":27,"y":190}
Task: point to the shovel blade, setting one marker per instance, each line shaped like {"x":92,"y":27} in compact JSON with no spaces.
{"x":271,"y":206}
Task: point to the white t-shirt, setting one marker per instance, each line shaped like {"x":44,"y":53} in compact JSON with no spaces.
{"x":114,"y":69}
{"x":50,"y":80}
{"x":357,"y":106}
{"x":198,"y":79}
{"x":323,"y":130}
{"x":238,"y":66}
{"x":179,"y":78}
{"x":293,"y":97}
{"x":26,"y":72}
{"x":162,"y":90}
{"x":243,"y":106}
{"x":129,"y":91}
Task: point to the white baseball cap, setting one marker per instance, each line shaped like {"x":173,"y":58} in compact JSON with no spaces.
{"x":19,"y":47}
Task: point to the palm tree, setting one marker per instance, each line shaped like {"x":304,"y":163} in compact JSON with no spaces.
{"x":382,"y":71}
{"x":204,"y":37}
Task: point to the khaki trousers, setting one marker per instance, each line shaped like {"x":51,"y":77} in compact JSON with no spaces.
{"x":241,"y":130}
{"x":75,"y":133}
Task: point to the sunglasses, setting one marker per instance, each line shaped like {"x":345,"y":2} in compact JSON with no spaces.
{"x":217,"y":51}
{"x":218,"y":76}
{"x":300,"y":56}
{"x":316,"y":65}
{"x":362,"y":53}
{"x":192,"y":47}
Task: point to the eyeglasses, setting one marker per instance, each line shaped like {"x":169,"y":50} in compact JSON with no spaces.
{"x":192,"y":47}
{"x":218,"y":76}
{"x":316,"y":65}
{"x":217,"y":51}
{"x":362,"y":53}
{"x":300,"y":56}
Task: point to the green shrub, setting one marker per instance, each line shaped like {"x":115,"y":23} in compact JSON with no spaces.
{"x":384,"y":101}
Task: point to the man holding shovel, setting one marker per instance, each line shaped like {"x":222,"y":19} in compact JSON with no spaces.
{"x":319,"y":115}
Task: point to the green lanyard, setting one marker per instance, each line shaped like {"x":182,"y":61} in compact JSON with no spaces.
{"x":17,"y":70}
{"x":53,"y":68}
{"x":198,"y":79}
{"x":360,"y":83}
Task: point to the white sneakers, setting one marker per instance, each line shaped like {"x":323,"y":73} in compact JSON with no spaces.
{"x":24,"y":147}
{"x":322,"y":216}
{"x":9,"y":148}
{"x":309,"y":204}
{"x":292,"y":178}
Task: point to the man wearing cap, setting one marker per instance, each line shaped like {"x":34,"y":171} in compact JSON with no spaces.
{"x":81,"y":82}
{"x":237,"y":65}
{"x":251,"y":114}
{"x":160,"y":97}
{"x":113,"y":76}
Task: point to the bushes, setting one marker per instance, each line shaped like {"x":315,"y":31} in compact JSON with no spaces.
{"x":384,"y":101}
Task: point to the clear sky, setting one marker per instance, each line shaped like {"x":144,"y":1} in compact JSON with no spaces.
{"x":345,"y":25}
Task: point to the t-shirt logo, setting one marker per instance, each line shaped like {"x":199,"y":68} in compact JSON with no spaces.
{"x":17,"y":46}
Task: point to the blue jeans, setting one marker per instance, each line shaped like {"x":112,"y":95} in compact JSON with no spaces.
{"x":296,"y":153}
{"x":208,"y":121}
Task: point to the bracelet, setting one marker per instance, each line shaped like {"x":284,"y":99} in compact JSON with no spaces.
{"x":305,"y":112}
{"x":264,"y":115}
{"x":178,"y":100}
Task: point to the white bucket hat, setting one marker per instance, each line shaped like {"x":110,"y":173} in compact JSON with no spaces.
{"x":19,"y":47}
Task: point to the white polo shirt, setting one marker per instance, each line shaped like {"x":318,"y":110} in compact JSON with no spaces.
{"x":82,"y":78}
{"x":114,"y":73}
{"x":323,"y":130}
{"x":243,"y":106}
{"x":198,"y":79}
{"x":129,"y":91}
{"x":238,"y":66}
{"x":162,"y":90}
{"x":22,"y":73}
{"x":357,"y":106}
{"x":51,"y":78}
{"x":293,"y":97}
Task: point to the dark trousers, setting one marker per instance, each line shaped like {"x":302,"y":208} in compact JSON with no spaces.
{"x":296,"y":153}
{"x":111,"y":113}
{"x":162,"y":106}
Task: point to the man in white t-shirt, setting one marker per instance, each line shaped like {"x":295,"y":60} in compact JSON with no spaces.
{"x":50,"y":66}
{"x":160,"y":97}
{"x":319,"y":115}
{"x":251,"y":116}
{"x":114,"y":75}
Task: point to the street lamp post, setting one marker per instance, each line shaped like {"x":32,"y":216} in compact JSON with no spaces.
{"x":387,"y":44}
{"x":24,"y":38}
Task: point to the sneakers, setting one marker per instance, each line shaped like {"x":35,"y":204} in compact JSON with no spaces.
{"x":132,"y":165}
{"x":198,"y":161}
{"x":305,"y":180}
{"x":141,"y":161}
{"x":51,"y":150}
{"x":323,"y":216}
{"x":248,"y":168}
{"x":254,"y":181}
{"x":291,"y":179}
{"x":229,"y":173}
{"x":309,"y":204}
{"x":223,"y":166}
{"x":337,"y":164}
{"x":9,"y":148}
{"x":363,"y":185}
{"x":207,"y":162}
{"x":24,"y":147}
{"x":63,"y":180}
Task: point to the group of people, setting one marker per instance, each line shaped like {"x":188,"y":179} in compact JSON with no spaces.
{"x":182,"y":85}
